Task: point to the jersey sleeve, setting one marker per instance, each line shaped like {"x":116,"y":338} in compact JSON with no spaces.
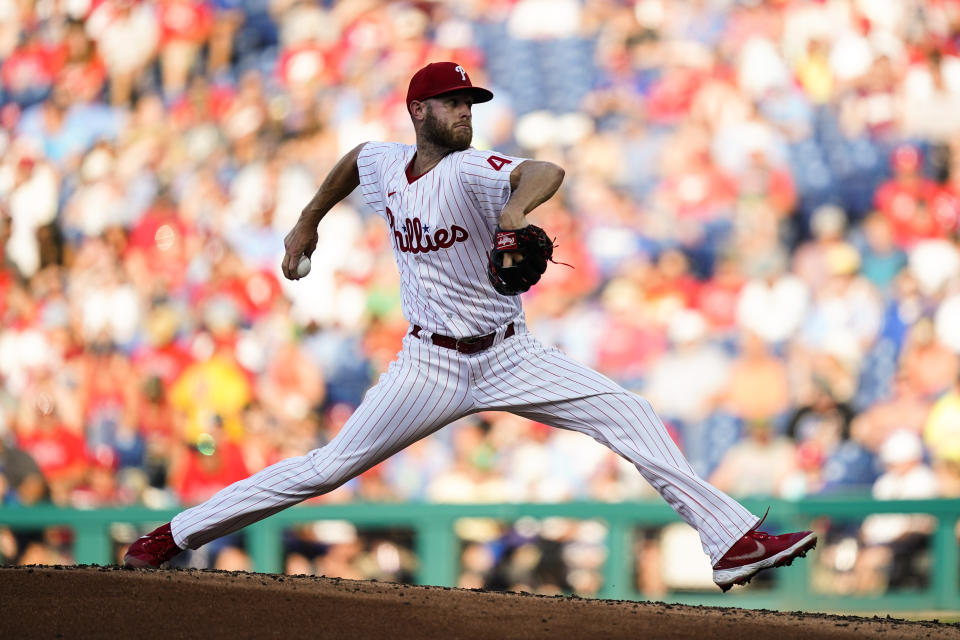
{"x":486,"y":177}
{"x":370,"y":167}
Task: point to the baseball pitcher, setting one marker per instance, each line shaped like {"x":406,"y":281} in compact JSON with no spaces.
{"x":457,"y":219}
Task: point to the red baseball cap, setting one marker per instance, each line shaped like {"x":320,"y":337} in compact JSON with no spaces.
{"x":438,"y":78}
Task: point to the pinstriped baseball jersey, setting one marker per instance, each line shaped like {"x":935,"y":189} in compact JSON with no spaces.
{"x":441,"y":228}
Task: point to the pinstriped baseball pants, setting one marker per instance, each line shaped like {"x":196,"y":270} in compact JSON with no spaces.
{"x":427,"y":387}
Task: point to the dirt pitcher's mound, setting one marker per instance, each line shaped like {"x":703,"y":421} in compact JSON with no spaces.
{"x":109,"y":602}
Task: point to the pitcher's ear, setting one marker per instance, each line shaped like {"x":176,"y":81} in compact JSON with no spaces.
{"x":418,"y":110}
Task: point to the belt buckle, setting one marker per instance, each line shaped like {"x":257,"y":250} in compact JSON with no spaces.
{"x":469,"y":342}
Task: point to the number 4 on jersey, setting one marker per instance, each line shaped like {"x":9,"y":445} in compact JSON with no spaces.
{"x":497,"y":162}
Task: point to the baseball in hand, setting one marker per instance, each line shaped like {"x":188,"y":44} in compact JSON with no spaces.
{"x":303,"y":267}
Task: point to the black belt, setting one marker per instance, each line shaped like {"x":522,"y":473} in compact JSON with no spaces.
{"x":473,"y":344}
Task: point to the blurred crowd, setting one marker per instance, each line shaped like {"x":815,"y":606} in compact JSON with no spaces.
{"x":761,"y":208}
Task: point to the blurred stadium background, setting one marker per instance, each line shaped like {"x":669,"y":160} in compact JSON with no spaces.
{"x":761,"y":203}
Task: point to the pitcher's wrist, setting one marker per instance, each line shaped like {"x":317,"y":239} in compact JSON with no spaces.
{"x":512,"y":219}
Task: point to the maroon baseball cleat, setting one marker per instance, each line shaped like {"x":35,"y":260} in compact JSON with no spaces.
{"x":757,"y":551}
{"x":152,"y":550}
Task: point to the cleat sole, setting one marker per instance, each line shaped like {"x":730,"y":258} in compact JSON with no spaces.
{"x":133,"y":562}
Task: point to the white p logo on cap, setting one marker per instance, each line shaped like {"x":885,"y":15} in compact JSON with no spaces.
{"x":463,"y":73}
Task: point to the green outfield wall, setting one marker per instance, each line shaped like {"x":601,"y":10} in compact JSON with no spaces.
{"x":437,"y":546}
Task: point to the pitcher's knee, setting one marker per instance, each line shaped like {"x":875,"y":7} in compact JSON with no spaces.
{"x":641,"y":406}
{"x":330,"y":471}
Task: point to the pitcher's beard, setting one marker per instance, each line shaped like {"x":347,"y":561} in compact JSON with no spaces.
{"x":455,"y":138}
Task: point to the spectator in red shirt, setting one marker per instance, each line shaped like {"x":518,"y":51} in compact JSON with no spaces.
{"x":201,"y":102}
{"x":83,"y":73}
{"x":672,"y":96}
{"x":905,"y":199}
{"x":184,"y":29}
{"x":696,"y":189}
{"x":559,"y":287}
{"x":717,"y":298}
{"x":306,"y":65}
{"x":631,"y":341}
{"x":100,"y":487}
{"x":672,"y":286}
{"x":202,"y":468}
{"x":249,"y":292}
{"x":28,"y":72}
{"x":292,"y":384}
{"x":157,"y":250}
{"x":58,"y":450}
{"x":928,"y":365}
